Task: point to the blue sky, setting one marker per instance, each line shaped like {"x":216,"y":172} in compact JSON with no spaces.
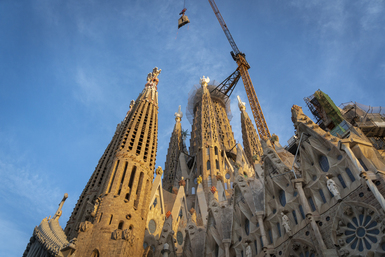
{"x":70,"y":68}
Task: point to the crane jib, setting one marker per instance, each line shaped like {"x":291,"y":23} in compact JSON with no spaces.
{"x":243,"y":67}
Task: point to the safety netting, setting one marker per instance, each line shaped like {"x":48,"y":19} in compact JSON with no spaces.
{"x":195,"y":96}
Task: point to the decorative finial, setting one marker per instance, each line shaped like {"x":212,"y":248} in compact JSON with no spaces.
{"x":59,"y":212}
{"x":179,"y":114}
{"x":159,"y":171}
{"x":241,"y":105}
{"x":199,"y":180}
{"x":204,"y":81}
{"x":152,"y":77}
{"x":132,"y":103}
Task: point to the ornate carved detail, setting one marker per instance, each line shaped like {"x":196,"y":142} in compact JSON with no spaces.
{"x":129,"y":236}
{"x":116,"y":234}
{"x":84,"y":226}
{"x":356,"y":230}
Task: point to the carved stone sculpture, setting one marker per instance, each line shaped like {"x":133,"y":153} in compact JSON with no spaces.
{"x":128,"y":235}
{"x":295,"y":246}
{"x":333,"y":188}
{"x":199,"y":180}
{"x":116,"y":234}
{"x":286,"y":223}
{"x":159,"y":170}
{"x":152,"y":77}
{"x":348,"y":211}
{"x":248,"y":251}
{"x":343,"y":252}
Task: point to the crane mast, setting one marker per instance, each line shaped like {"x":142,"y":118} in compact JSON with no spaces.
{"x":243,"y":67}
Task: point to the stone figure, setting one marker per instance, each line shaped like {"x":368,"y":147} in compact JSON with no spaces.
{"x":132,"y":103}
{"x":248,"y":251}
{"x":333,"y":187}
{"x":241,"y":105}
{"x":152,"y":77}
{"x":204,"y":81}
{"x":96,"y":206}
{"x":286,"y":223}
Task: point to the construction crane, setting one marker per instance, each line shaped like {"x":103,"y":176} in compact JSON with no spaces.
{"x":227,"y":86}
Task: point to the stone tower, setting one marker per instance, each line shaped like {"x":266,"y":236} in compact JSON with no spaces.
{"x":174,"y":149}
{"x":251,"y":144}
{"x":109,"y":218}
{"x":211,"y":135}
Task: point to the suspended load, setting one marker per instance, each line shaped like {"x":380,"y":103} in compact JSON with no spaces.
{"x":183,"y":20}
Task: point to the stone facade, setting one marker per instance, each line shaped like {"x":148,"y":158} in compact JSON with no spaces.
{"x":325,"y":198}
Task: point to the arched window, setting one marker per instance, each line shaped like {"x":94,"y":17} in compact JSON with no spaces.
{"x":120,"y":225}
{"x":342,"y":181}
{"x":322,"y":195}
{"x":282,"y":197}
{"x":279,"y":229}
{"x":208,"y":165}
{"x":295,"y":217}
{"x":209,"y":181}
{"x":350,"y":174}
{"x":311,"y":203}
{"x":95,"y":253}
{"x":225,"y":186}
{"x":193,"y":190}
{"x":208,"y":150}
{"x":247,"y":226}
{"x":216,"y":150}
{"x":324,"y":163}
{"x":217,"y":164}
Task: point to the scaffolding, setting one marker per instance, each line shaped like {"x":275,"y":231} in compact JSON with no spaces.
{"x":327,"y":114}
{"x":195,"y":96}
{"x":371,"y":120}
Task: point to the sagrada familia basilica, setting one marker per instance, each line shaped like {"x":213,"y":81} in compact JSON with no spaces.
{"x":321,"y":195}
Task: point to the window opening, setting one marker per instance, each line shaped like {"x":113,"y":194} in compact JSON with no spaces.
{"x":302,"y":212}
{"x":341,"y":179}
{"x":282,"y":197}
{"x":120,"y":225}
{"x":362,"y":164}
{"x":295,"y":216}
{"x":279,"y":229}
{"x":311,"y":203}
{"x":350,"y":174}
{"x":113,"y":176}
{"x":324,"y":163}
{"x":322,"y":195}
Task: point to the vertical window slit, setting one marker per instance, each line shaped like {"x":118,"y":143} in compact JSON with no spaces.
{"x":121,"y":181}
{"x":113,"y":176}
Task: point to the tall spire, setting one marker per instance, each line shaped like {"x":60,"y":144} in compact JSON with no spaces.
{"x":211,"y":134}
{"x":253,"y":148}
{"x":175,"y":147}
{"x":112,"y":210}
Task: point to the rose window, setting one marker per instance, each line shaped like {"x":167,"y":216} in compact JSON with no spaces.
{"x":361,"y":233}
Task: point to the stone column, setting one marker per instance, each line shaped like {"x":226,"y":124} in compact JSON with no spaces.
{"x":374,"y":189}
{"x":165,"y":250}
{"x":226,"y":243}
{"x":309,"y":215}
{"x":364,"y":174}
{"x":262,"y":229}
